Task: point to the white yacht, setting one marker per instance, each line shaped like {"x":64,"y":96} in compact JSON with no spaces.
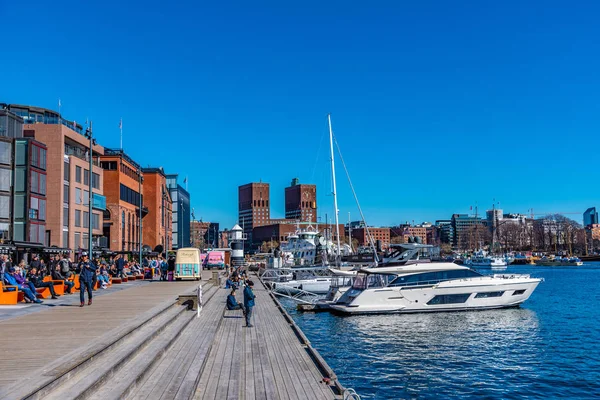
{"x":429,"y":287}
{"x":481,"y":260}
{"x":305,"y":245}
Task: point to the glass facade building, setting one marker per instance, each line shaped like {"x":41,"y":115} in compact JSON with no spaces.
{"x":590,"y":216}
{"x":181,"y":213}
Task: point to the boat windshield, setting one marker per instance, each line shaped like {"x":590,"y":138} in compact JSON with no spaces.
{"x":368,"y":281}
{"x":431,"y":278}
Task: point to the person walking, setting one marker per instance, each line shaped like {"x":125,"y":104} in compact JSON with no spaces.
{"x":249,"y":302}
{"x":121,"y":265}
{"x":87,"y":270}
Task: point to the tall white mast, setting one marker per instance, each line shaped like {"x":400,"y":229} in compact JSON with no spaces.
{"x":334,"y":190}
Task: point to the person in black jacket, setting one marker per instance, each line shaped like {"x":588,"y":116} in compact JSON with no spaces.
{"x":87,"y":270}
{"x":57,"y":276}
{"x":37,"y":280}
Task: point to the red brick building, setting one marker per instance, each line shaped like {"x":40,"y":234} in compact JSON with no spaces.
{"x":253,"y":207}
{"x":122,"y":181}
{"x":301,"y":202}
{"x":157,"y":229}
{"x":382,"y":234}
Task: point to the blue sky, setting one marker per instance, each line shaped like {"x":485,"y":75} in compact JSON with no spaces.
{"x":437,"y":106}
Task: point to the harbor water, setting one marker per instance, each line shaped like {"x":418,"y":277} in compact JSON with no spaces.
{"x":548,"y":348}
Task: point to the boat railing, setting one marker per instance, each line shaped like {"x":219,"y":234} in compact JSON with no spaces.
{"x":510,"y":276}
{"x":295,"y":294}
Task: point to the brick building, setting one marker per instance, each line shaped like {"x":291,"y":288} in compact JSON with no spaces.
{"x":123,"y":188}
{"x":157,"y":229}
{"x":382,"y":234}
{"x":253,"y":208}
{"x":301,"y":202}
{"x":68,"y":175}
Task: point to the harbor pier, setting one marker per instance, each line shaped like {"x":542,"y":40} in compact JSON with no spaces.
{"x":140,"y":343}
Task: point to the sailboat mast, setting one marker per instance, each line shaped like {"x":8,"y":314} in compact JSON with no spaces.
{"x":335,"y":206}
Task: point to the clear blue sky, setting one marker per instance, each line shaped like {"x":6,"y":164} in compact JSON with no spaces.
{"x":436,"y":105}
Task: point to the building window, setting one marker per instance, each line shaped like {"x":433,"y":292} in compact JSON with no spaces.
{"x":77,"y":243}
{"x":4,"y":207}
{"x":5,"y":153}
{"x":66,"y":194}
{"x":78,"y":199}
{"x":86,"y":240}
{"x":86,"y":177}
{"x":95,"y":181}
{"x":19,"y":206}
{"x":42,"y":211}
{"x":65,"y":217}
{"x":78,"y":174}
{"x":19,"y":231}
{"x":5,"y":176}
{"x":67,"y":176}
{"x":4,"y":230}
{"x":65,"y":238}
{"x":78,"y":218}
{"x":20,"y":179}
{"x":86,"y":219}
{"x":21,"y":150}
{"x":86,"y":197}
{"x":95,"y":221}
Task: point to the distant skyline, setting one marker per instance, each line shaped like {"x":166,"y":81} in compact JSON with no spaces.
{"x":437,"y":106}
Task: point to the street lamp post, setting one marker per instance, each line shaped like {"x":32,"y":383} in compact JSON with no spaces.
{"x":89,"y":135}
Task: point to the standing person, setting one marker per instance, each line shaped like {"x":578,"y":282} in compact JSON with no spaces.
{"x":95,"y":276}
{"x":171,"y":268}
{"x":65,"y":266}
{"x":35,"y":262}
{"x":249,"y":302}
{"x":86,"y":276}
{"x":53,"y":263}
{"x":120,"y":265}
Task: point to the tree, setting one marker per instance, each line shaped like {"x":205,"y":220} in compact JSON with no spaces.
{"x":267,"y":247}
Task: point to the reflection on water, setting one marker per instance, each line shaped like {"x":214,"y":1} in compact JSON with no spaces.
{"x":547,"y":349}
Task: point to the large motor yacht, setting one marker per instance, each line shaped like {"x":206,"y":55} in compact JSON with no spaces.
{"x":308,"y":247}
{"x":415,"y":285}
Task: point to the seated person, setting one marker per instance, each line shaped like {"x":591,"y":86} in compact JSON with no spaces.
{"x":10,"y":279}
{"x":35,"y":277}
{"x":114,"y":272}
{"x":57,"y":276}
{"x":21,"y":280}
{"x":232,"y":303}
{"x":102,"y":276}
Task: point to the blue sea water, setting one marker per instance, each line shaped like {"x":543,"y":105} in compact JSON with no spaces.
{"x":549,"y":348}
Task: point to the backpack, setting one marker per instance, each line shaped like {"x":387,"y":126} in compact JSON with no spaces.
{"x":64,"y":265}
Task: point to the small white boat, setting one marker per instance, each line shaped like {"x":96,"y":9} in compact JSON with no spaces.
{"x":559,"y":262}
{"x":481,"y":260}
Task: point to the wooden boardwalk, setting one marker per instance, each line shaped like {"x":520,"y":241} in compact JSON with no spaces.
{"x":34,"y":340}
{"x":173,"y":355}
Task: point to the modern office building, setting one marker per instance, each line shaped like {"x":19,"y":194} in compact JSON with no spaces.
{"x":181,"y":213}
{"x":301,"y":201}
{"x":445,"y":230}
{"x":123,"y":188}
{"x":157,"y":229}
{"x":253,"y":208}
{"x":68,"y":175}
{"x":469,"y":231}
{"x":590,"y":217}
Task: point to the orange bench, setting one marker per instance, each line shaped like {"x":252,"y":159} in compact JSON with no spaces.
{"x":59,"y":286}
{"x":43,"y":292}
{"x":116,"y":280}
{"x":8,"y":296}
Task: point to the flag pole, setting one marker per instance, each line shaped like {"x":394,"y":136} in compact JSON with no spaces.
{"x":121,"y":130}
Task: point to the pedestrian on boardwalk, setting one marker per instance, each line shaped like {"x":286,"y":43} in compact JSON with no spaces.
{"x":87,"y":270}
{"x":249,"y":302}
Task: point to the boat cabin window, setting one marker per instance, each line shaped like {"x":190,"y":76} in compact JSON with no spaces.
{"x":430,"y":278}
{"x":485,"y":295}
{"x":369,"y":281}
{"x":449,"y":299}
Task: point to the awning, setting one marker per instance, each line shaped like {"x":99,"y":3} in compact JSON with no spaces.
{"x":28,"y":245}
{"x":55,"y":250}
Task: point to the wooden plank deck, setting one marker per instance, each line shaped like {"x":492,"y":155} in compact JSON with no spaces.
{"x":266,"y":361}
{"x":39,"y":338}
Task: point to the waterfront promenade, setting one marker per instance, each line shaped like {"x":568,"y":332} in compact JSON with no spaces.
{"x":138,"y":343}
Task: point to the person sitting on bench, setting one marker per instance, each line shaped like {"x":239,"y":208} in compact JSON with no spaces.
{"x":57,"y":276}
{"x":9,"y":278}
{"x":232,"y":303}
{"x":38,"y":281}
